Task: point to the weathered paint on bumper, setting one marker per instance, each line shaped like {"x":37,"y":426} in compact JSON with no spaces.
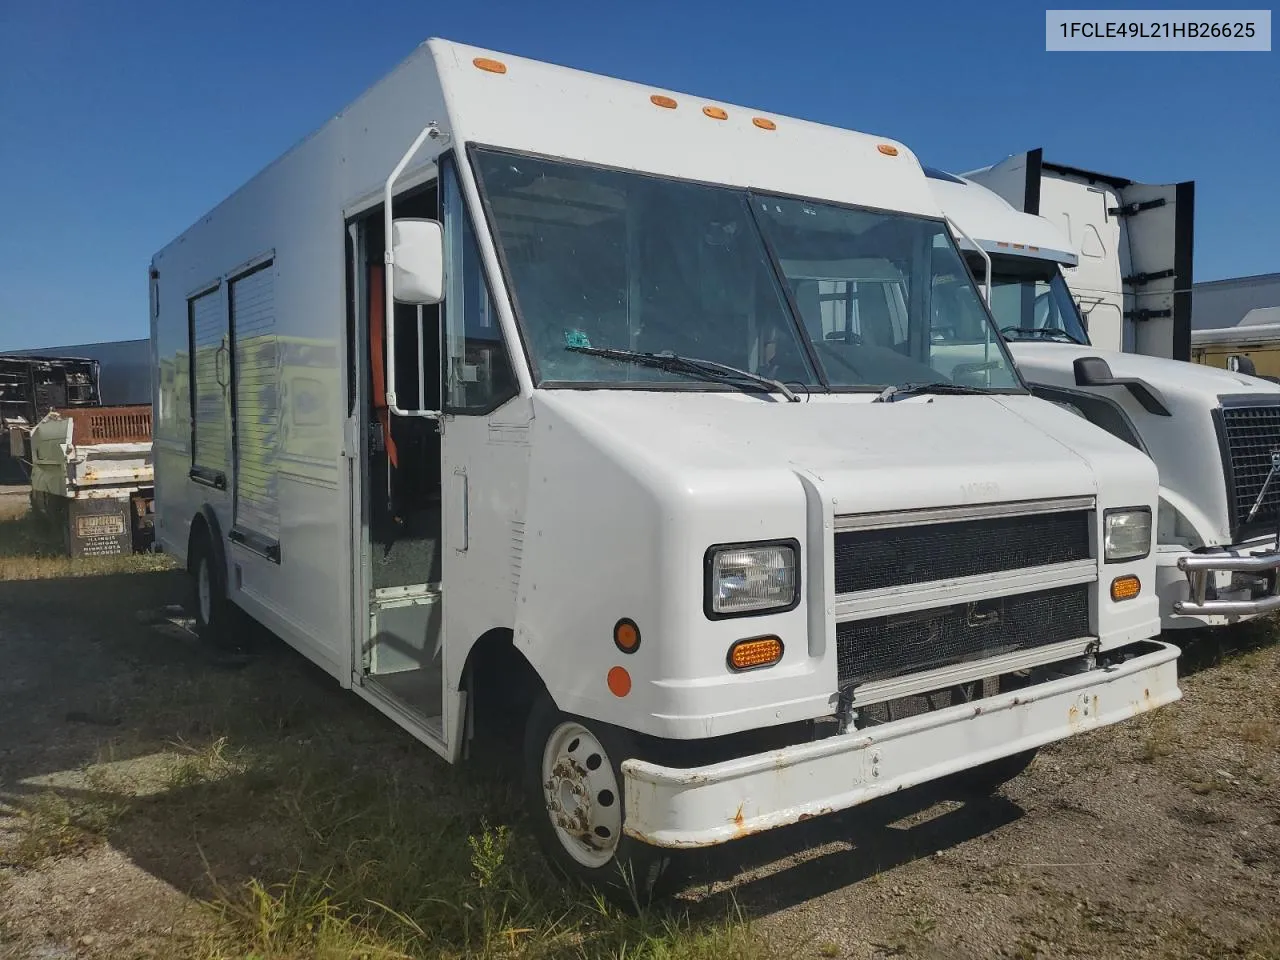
{"x":703,"y":806}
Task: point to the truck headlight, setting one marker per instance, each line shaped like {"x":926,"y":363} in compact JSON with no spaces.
{"x":747,"y":578}
{"x":1126,"y":533}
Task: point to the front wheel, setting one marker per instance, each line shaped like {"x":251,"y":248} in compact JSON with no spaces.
{"x":574,"y":784}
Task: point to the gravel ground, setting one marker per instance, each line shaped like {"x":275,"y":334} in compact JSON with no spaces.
{"x":129,"y":791}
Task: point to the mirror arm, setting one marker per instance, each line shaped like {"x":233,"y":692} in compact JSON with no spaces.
{"x":431,"y":131}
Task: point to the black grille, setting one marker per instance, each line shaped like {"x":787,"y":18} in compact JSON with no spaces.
{"x":1250,"y":434}
{"x":895,"y":646}
{"x":899,"y":556}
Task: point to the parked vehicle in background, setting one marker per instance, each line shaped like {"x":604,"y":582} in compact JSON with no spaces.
{"x":92,"y":479}
{"x":605,"y":435}
{"x":1133,"y":241}
{"x":1213,"y":434}
{"x":32,"y":386}
{"x":1252,"y":348}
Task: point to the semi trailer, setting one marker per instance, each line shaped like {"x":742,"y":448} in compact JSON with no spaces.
{"x":1213,"y":434}
{"x":519,"y":395}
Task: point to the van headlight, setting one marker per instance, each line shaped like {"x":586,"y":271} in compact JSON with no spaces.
{"x":747,"y":578}
{"x":1126,"y":533}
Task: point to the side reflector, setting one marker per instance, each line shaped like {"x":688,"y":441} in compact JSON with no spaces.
{"x":660,"y":101}
{"x":888,"y":149}
{"x":764,"y":123}
{"x":491,"y":66}
{"x":1125,"y":588}
{"x":619,"y":682}
{"x":758,"y":652}
{"x":626,"y":635}
{"x":715,"y":113}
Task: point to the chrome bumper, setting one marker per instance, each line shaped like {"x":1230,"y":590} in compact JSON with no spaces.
{"x":702,"y":806}
{"x":1199,"y":568}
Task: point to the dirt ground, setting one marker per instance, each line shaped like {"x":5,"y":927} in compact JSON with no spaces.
{"x":142,"y":778}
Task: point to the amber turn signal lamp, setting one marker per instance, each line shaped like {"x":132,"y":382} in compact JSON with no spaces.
{"x":490,"y":66}
{"x":757,"y":652}
{"x":658,"y":100}
{"x":715,"y":113}
{"x":1125,"y":588}
{"x":626,"y":635}
{"x":888,"y":149}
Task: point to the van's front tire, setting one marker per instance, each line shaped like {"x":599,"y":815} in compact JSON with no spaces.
{"x":573,"y":781}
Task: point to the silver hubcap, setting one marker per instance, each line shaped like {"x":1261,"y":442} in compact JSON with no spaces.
{"x":582,"y":794}
{"x":204,"y":590}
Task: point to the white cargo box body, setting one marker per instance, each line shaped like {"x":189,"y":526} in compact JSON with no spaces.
{"x":568,"y":510}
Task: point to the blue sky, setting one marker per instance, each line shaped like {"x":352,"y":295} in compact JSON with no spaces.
{"x":122,"y":122}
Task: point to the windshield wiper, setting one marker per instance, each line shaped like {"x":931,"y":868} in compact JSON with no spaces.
{"x":690,"y":366}
{"x":902,"y":391}
{"x":1044,"y":332}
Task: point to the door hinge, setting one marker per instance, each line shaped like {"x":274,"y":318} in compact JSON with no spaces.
{"x":1129,"y":209}
{"x":1140,"y":278}
{"x":1145,"y":314}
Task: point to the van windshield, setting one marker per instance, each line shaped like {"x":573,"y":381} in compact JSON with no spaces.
{"x":599,"y":262}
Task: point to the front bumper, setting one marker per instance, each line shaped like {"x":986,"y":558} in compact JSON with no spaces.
{"x":703,"y":806}
{"x":1202,"y":570}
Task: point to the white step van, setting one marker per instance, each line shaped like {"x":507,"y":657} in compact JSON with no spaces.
{"x":1213,"y":434}
{"x":517,"y":392}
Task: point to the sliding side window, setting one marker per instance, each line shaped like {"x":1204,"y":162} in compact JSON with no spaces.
{"x":210,"y":376}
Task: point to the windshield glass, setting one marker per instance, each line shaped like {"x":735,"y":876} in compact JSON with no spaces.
{"x":623,"y":261}
{"x":1031,"y":301}
{"x":873,"y":289}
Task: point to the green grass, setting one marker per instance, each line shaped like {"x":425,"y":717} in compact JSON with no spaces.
{"x":28,"y":551}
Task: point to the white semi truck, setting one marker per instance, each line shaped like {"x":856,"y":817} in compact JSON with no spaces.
{"x":517,"y":393}
{"x":1213,"y":434}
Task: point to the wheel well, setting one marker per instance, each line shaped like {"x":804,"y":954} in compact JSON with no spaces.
{"x":501,"y":686}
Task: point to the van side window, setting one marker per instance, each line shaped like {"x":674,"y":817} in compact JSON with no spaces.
{"x":210,"y":379}
{"x":478,"y":376}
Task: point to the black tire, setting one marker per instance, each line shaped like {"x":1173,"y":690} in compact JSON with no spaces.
{"x":212,"y":615}
{"x":633,"y":875}
{"x":986,"y":779}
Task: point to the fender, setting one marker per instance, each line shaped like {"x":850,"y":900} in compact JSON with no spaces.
{"x":217,"y":543}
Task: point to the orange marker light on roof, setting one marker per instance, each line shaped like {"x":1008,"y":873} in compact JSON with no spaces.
{"x":715,"y":113}
{"x":764,"y":123}
{"x":888,"y":149}
{"x":658,"y":100}
{"x":619,"y":682}
{"x":490,"y":66}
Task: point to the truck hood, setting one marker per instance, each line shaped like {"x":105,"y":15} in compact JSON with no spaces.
{"x":1037,"y":358}
{"x":923,"y":452}
{"x":1185,"y":445}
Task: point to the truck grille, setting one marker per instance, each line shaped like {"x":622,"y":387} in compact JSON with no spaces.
{"x":887,"y":647}
{"x":1250,"y":434}
{"x":902,"y":556}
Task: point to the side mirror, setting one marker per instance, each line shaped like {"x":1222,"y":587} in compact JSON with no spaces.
{"x":1096,"y":372}
{"x":418,"y":273}
{"x":1237,"y":363}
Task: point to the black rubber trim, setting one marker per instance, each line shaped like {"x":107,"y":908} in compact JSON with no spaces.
{"x":707,"y":568}
{"x":256,"y":543}
{"x":209,"y":478}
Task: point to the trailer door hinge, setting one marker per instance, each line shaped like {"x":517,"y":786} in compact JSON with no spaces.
{"x":1140,"y":278}
{"x":1145,"y":314}
{"x":1129,"y":209}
